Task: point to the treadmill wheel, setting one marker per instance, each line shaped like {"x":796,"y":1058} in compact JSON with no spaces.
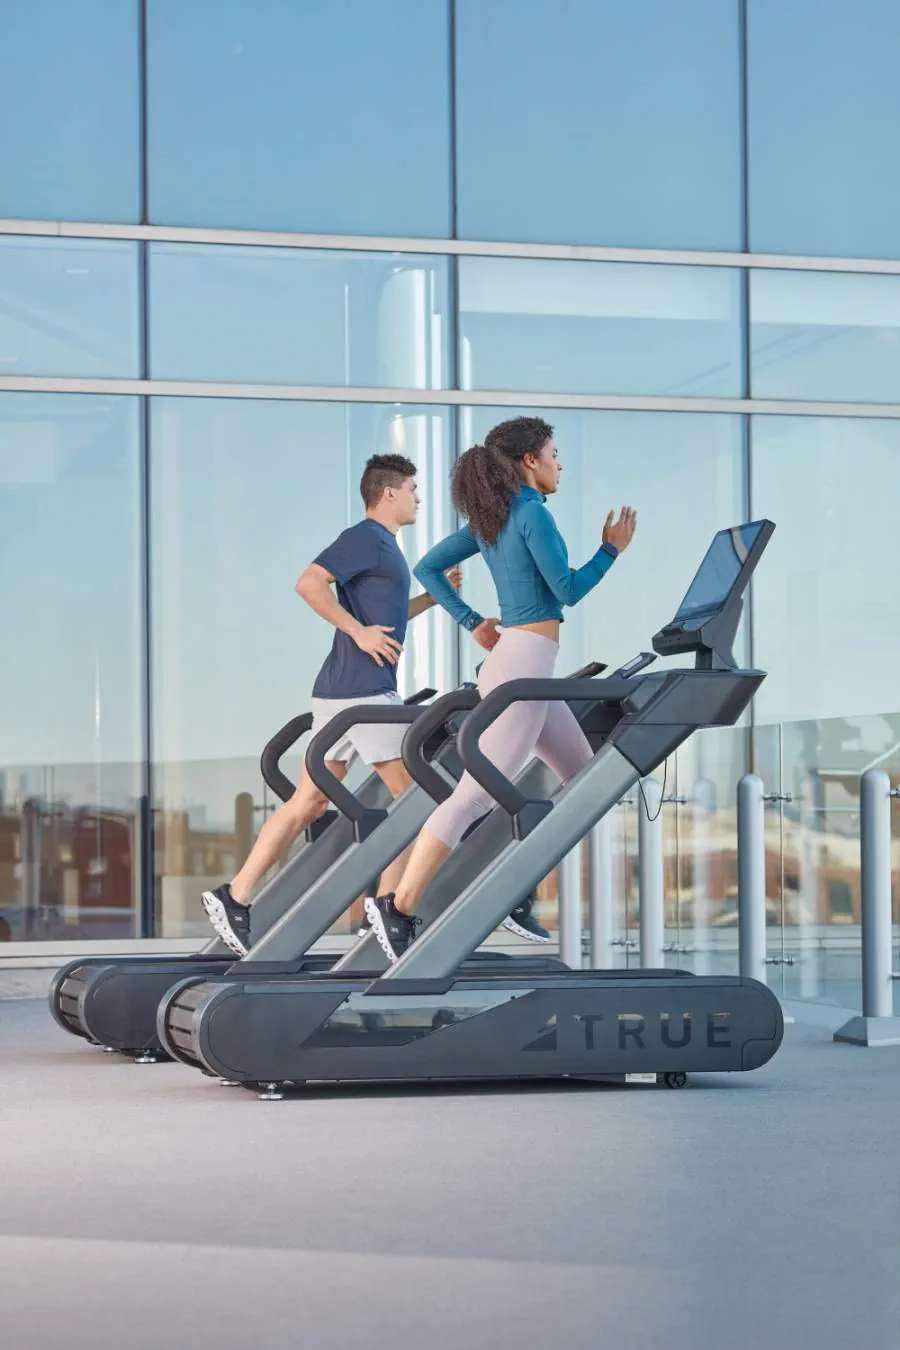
{"x":675,"y":1080}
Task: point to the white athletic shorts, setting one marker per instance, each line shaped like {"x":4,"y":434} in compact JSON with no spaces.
{"x":373,"y":742}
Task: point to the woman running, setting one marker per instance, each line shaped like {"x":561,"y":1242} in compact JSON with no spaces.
{"x":500,"y":487}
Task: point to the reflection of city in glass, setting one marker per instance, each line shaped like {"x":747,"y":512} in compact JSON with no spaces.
{"x":188,"y":394}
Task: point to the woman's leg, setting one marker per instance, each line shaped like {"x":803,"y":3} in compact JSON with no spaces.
{"x":507,"y":743}
{"x":562,"y":745}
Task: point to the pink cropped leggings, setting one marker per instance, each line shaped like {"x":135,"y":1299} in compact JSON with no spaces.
{"x":548,"y":730}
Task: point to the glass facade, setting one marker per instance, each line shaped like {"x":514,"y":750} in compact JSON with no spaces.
{"x":71,"y":673}
{"x":298,"y":316}
{"x":822,"y":102}
{"x":593,"y":122}
{"x":231,"y":530}
{"x":70,"y":106}
{"x":69,"y":306}
{"x":244,"y":244}
{"x":599,"y":328}
{"x":300,"y":116}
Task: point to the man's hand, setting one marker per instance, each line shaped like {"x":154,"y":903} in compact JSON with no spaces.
{"x":374,"y":641}
{"x":454,"y":576}
{"x":621,"y":533}
{"x":486,"y":634}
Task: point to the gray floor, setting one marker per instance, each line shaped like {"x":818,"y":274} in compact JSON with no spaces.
{"x":148,"y":1206}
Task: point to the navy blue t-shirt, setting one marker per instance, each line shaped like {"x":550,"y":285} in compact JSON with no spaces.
{"x":373,"y":585}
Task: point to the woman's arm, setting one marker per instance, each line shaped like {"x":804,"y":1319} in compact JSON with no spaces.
{"x":548,"y":549}
{"x":423,"y":603}
{"x":430,"y":572}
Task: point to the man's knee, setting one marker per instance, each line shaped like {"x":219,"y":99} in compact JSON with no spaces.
{"x":395,"y":776}
{"x":310,"y":802}
{"x":307,"y":804}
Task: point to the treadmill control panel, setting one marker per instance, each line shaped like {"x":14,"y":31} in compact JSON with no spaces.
{"x":636,"y":664}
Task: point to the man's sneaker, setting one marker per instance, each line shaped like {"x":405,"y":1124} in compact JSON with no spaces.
{"x":230,"y":920}
{"x":394,"y":931}
{"x":523,"y":923}
{"x":364,"y":928}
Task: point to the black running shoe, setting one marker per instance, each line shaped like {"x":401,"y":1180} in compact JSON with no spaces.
{"x":364,"y":928}
{"x":230,"y":920}
{"x":394,"y":931}
{"x":523,"y":923}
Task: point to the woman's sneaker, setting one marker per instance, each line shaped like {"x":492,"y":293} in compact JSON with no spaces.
{"x":230,"y":920}
{"x":523,"y":923}
{"x":394,"y":931}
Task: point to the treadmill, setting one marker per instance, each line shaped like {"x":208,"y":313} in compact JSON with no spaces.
{"x":434,"y":1015}
{"x":378,"y":836}
{"x":112,"y":1001}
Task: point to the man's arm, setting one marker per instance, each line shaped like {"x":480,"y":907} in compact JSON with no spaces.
{"x":314,"y":586}
{"x":422,"y":603}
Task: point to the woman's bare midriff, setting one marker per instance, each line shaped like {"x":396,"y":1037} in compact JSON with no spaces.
{"x":547,"y":628}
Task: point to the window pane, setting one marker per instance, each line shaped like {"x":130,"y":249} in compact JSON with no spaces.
{"x":70,"y":683}
{"x":826,"y":625}
{"x":683,"y":472}
{"x":617,"y":328}
{"x":826,"y":607}
{"x":69,"y":108}
{"x":300,"y":116}
{"x":825,"y":336}
{"x":598,"y":122}
{"x":824,"y":105}
{"x":298,"y":316}
{"x":650,"y":460}
{"x":245,"y":495}
{"x":68,"y":307}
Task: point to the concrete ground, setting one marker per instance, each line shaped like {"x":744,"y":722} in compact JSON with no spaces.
{"x":147,"y":1206}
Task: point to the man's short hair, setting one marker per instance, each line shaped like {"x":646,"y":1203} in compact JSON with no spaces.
{"x":383,"y":471}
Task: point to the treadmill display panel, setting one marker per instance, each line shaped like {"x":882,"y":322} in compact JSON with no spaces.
{"x":719,"y":570}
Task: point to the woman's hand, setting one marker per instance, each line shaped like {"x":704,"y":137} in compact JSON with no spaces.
{"x":486,"y":634}
{"x":454,"y":576}
{"x":620,"y":534}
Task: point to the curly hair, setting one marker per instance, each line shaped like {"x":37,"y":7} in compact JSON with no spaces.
{"x":384,"y":471}
{"x":487,"y":477}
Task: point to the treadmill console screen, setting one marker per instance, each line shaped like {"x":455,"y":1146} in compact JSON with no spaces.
{"x":720,"y":570}
{"x":713,"y":601}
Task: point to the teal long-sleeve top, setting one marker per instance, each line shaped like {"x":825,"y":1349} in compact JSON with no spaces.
{"x":528,"y":561}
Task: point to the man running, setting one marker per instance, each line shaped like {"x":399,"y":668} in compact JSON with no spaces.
{"x":369,"y":614}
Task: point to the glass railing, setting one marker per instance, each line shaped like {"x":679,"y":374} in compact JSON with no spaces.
{"x":70,"y":850}
{"x":811,"y":771}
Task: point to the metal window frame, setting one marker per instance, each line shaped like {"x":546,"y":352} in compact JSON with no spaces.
{"x":70,"y":229}
{"x":453,"y":398}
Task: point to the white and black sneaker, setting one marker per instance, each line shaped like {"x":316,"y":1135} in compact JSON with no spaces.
{"x":394,"y":931}
{"x":523,"y":923}
{"x":230,"y":920}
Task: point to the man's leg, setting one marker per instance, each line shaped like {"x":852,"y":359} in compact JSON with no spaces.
{"x":228,"y":906}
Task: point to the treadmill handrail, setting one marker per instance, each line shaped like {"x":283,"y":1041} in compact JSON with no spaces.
{"x":413,"y":749}
{"x":589,"y":671}
{"x":525,"y":690}
{"x":364,"y":818}
{"x":269,"y":761}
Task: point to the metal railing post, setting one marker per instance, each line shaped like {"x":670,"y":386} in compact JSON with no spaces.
{"x":751,"y":849}
{"x":600,"y":898}
{"x":704,"y":802}
{"x":568,"y":877}
{"x":877,"y":1025}
{"x":651,"y":876}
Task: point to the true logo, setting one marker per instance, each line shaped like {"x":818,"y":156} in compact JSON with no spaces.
{"x":570,"y":1032}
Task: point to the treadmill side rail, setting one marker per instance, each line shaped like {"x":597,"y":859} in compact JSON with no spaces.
{"x":570,"y":1023}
